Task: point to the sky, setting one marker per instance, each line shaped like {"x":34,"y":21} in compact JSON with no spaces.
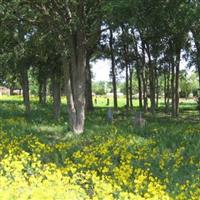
{"x":101,"y":69}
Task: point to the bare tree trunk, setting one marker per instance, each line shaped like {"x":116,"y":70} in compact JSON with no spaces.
{"x":157,"y":87}
{"x":42,"y":91}
{"x":197,"y":43}
{"x":139,"y":84}
{"x":113,"y":71}
{"x":88,"y":90}
{"x":138,"y":71}
{"x":177,"y":82}
{"x":11,"y":91}
{"x":139,"y":87}
{"x":198,"y":68}
{"x":145,"y":98}
{"x":165,"y":89}
{"x":152,"y":87}
{"x":168,"y":88}
{"x":75,"y":69}
{"x":198,"y":61}
{"x":56,"y":87}
{"x":127,"y":88}
{"x":131,"y":87}
{"x":151,"y":81}
{"x":157,"y":92}
{"x":25,"y":88}
{"x":144,"y":78}
{"x":173,"y":89}
{"x":195,"y":33}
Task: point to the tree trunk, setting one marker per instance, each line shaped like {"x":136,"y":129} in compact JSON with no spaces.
{"x":177,"y":83}
{"x":127,"y":88}
{"x":11,"y":91}
{"x":139,"y":88}
{"x":145,"y":98}
{"x":168,"y":89}
{"x":88,"y":90}
{"x":113,"y":71}
{"x":151,"y":81}
{"x":173,"y":89}
{"x":165,"y":89}
{"x":157,"y":92}
{"x":198,"y":60}
{"x":25,"y":88}
{"x":144,"y":78}
{"x":75,"y":69}
{"x":198,"y":67}
{"x":157,"y":87}
{"x":56,"y":87}
{"x":138,"y":71}
{"x":131,"y":87}
{"x":195,"y":33}
{"x":42,"y":91}
{"x":152,"y":87}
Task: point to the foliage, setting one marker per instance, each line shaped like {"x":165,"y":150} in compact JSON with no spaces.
{"x":188,"y":85}
{"x":101,"y":87}
{"x":42,"y":160}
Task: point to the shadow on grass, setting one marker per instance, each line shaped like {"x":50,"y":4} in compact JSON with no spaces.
{"x":162,"y":133}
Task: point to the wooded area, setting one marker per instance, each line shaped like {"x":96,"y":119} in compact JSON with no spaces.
{"x":56,"y":40}
{"x":62,"y":136}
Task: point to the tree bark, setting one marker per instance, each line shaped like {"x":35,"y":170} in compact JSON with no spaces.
{"x":139,"y":87}
{"x":138,"y":72}
{"x":198,"y":60}
{"x":113,"y":71}
{"x":177,"y":82}
{"x":195,"y":33}
{"x":11,"y":91}
{"x":25,"y":88}
{"x":131,"y":87}
{"x":165,"y":88}
{"x":88,"y":90}
{"x":144,"y":78}
{"x":168,"y":88}
{"x":145,"y":98}
{"x":56,"y":92}
{"x":127,"y":87}
{"x":198,"y":65}
{"x":42,"y":90}
{"x":75,"y":71}
{"x":173,"y":88}
{"x":157,"y":87}
{"x":151,"y":81}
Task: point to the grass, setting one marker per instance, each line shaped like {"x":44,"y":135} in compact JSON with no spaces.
{"x":109,"y":161}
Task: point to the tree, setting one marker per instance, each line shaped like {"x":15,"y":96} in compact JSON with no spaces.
{"x":17,"y":44}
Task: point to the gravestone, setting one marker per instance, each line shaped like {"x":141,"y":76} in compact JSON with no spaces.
{"x":109,"y":115}
{"x":138,"y":120}
{"x":108,"y":102}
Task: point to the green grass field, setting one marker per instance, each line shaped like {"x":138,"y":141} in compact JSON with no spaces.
{"x":42,"y":159}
